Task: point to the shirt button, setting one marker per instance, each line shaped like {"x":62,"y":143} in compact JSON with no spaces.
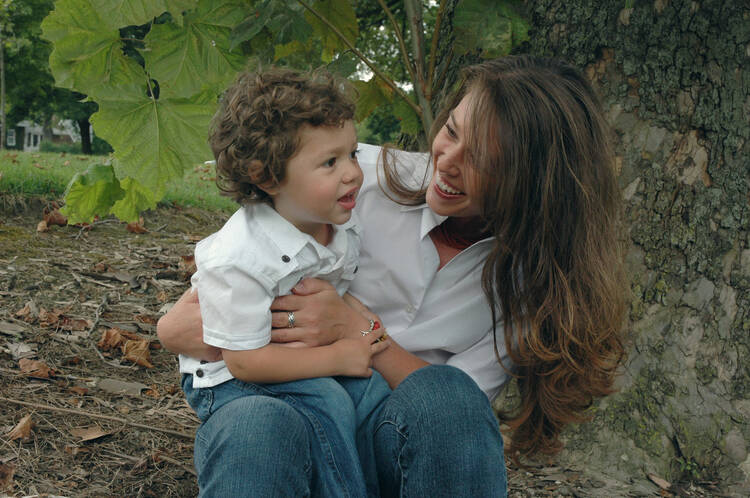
{"x":410,"y":309}
{"x":285,"y":258}
{"x":199,"y":372}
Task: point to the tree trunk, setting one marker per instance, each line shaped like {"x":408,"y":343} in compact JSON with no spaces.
{"x":674,"y":78}
{"x":3,"y":133}
{"x":85,"y":129}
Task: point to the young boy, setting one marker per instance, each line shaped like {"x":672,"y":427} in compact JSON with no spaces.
{"x":285,"y":148}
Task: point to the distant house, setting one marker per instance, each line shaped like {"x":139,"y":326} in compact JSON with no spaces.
{"x":27,"y":135}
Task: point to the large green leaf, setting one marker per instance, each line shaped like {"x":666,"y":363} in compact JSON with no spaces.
{"x":341,"y":15}
{"x":154,"y":140}
{"x":252,"y":24}
{"x":410,"y":122}
{"x":87,"y":51}
{"x":502,"y":27}
{"x":370,"y":95}
{"x":135,"y":200}
{"x":91,"y":193}
{"x":186,"y":60}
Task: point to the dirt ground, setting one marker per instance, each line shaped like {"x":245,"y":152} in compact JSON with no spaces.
{"x":88,"y":411}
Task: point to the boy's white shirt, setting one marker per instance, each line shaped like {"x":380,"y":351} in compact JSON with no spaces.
{"x":256,"y":256}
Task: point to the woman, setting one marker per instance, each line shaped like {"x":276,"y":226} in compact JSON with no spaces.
{"x":522,"y":202}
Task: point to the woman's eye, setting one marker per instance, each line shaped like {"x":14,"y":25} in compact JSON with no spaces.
{"x":451,"y":131}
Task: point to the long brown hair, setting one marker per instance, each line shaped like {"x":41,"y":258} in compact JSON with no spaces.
{"x":537,"y":137}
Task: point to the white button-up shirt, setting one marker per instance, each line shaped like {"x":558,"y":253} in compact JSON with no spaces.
{"x":256,"y":256}
{"x":442,"y":316}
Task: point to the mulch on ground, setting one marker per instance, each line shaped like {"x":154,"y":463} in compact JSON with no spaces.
{"x":89,"y":403}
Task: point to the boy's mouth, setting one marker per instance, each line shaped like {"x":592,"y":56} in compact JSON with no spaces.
{"x":348,"y":201}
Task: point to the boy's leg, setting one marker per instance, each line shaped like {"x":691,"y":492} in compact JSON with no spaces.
{"x":329,"y":410}
{"x":436,"y":436}
{"x":369,"y":396}
{"x":249,"y":445}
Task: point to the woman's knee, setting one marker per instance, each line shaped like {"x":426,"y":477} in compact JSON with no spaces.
{"x":442,"y":392}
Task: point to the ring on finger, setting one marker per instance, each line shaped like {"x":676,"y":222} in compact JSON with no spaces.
{"x":290,"y":319}
{"x":372,"y":327}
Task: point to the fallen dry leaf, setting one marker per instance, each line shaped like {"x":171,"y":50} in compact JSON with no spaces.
{"x":116,"y":386}
{"x":21,"y":350}
{"x":114,"y":338}
{"x":6,"y":476}
{"x":79,"y":390}
{"x":187,"y":265}
{"x":54,"y":217}
{"x":49,"y":318}
{"x":149,"y":319}
{"x":29,"y":312}
{"x":42,"y":226}
{"x":22,"y":430}
{"x":663,"y":484}
{"x":136,"y":226}
{"x":89,"y":433}
{"x":75,"y":450}
{"x":35,"y":368}
{"x":137,"y":352}
{"x":75,"y":323}
{"x":162,"y":296}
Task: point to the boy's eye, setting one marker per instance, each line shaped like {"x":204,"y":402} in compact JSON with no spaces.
{"x":354,"y":154}
{"x":331,"y":162}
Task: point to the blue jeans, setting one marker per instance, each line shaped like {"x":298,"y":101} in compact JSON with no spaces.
{"x":330,"y":417}
{"x":435,"y":435}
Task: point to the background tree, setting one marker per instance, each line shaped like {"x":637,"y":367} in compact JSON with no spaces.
{"x":31,"y":91}
{"x":674,"y":76}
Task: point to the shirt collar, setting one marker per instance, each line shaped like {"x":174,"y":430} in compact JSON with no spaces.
{"x":430,"y":220}
{"x":285,"y":235}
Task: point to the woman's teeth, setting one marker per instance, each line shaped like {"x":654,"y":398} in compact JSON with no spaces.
{"x":446,"y":188}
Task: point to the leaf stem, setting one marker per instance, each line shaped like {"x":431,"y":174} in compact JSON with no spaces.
{"x":362,"y":57}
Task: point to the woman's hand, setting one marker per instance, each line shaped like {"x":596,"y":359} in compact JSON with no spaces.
{"x":181,"y":329}
{"x":321,"y":316}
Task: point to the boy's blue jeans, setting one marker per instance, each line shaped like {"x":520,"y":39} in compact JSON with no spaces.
{"x":329,"y":412}
{"x":434,"y":435}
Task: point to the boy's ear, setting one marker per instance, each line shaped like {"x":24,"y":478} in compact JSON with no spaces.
{"x":255,"y":171}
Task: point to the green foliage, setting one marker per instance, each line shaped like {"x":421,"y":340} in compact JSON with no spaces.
{"x":91,"y":193}
{"x":155,"y":68}
{"x":502,"y":27}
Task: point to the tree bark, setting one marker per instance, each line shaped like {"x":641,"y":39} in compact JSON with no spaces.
{"x":85,"y":129}
{"x":674,"y":78}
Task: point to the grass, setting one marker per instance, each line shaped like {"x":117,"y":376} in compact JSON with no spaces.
{"x":45,"y":174}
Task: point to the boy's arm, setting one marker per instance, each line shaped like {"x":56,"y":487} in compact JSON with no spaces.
{"x":276,"y":363}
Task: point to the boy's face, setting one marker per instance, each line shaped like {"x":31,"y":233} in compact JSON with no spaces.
{"x":322,"y":179}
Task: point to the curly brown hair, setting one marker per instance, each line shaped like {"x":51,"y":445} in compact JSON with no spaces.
{"x":539,"y":141}
{"x":256,"y":129}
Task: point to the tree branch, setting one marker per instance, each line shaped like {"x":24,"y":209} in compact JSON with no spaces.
{"x":96,"y":415}
{"x":414,"y":13}
{"x":401,"y":44}
{"x":362,"y":57}
{"x":434,"y":47}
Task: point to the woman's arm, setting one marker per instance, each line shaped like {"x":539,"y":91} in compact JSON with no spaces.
{"x":181,"y":329}
{"x":316,"y":305}
{"x":276,"y":363}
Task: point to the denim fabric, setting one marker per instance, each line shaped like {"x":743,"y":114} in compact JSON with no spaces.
{"x":435,"y":435}
{"x":329,"y":416}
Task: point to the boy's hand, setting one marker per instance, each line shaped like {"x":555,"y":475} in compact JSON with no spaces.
{"x":354,"y":355}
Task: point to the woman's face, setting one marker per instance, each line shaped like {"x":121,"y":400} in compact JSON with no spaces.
{"x":453,"y":190}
